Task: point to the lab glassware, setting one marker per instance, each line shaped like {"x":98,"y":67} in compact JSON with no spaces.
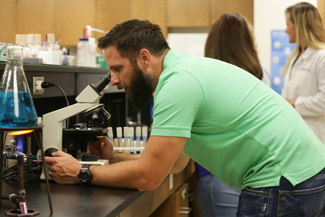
{"x":16,"y":105}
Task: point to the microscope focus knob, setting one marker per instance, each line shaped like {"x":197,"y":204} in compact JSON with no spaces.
{"x":48,"y":152}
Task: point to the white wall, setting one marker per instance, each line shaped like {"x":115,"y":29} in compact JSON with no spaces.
{"x":269,"y":15}
{"x":190,"y":43}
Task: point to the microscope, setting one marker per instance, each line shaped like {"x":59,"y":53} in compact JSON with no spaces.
{"x":76,"y":139}
{"x":55,"y":133}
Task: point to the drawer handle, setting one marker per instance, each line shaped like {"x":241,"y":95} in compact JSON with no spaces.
{"x":183,"y":193}
{"x":185,"y":210}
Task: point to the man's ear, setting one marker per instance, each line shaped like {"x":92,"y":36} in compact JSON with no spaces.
{"x":145,"y":57}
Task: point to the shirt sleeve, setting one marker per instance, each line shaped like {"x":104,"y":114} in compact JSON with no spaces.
{"x":266,"y":76}
{"x":314,"y":105}
{"x":177,"y":104}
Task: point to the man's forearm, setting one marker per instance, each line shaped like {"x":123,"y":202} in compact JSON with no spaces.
{"x":127,"y":174}
{"x":124,"y":157}
{"x":143,"y":171}
{"x":180,"y":164}
{"x":118,"y":175}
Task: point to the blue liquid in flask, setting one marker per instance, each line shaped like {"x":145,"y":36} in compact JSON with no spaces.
{"x":17,"y":112}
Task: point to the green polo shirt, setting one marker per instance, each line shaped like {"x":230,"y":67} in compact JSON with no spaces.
{"x":237,"y":127}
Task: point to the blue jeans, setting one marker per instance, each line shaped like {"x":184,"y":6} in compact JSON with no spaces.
{"x":306,"y":199}
{"x":214,"y":198}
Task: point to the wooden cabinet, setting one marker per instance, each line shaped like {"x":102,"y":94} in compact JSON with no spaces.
{"x":321,"y":8}
{"x":176,"y":205}
{"x":171,"y":195}
{"x":7,"y":21}
{"x":203,"y":13}
{"x":71,"y":17}
{"x":244,"y":7}
{"x":66,"y":19}
{"x":109,"y":13}
{"x":35,"y":16}
{"x":188,"y":13}
{"x":154,"y":11}
{"x":182,"y":208}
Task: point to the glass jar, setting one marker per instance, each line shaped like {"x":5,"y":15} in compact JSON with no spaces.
{"x":16,"y":105}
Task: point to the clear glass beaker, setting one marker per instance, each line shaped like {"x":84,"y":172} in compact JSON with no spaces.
{"x":16,"y":105}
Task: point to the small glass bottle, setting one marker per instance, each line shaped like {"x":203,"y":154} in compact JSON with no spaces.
{"x":38,"y":42}
{"x":65,"y":60}
{"x":16,"y":105}
{"x":26,"y":49}
{"x":45,"y":46}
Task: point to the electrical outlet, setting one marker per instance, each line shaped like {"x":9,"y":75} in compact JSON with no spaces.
{"x":37,"y":85}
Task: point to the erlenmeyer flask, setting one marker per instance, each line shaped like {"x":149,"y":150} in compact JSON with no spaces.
{"x":16,"y":104}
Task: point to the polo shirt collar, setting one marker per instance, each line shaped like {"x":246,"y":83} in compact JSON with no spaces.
{"x":169,"y":58}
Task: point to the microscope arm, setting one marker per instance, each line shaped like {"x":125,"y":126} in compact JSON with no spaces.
{"x":54,"y":121}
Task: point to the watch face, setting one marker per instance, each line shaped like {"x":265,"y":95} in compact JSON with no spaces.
{"x":85,"y":175}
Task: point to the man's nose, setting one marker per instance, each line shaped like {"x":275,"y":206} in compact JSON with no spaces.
{"x":114,"y":79}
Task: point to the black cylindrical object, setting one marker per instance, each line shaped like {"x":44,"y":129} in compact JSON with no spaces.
{"x":20,"y":160}
{"x":103,"y":83}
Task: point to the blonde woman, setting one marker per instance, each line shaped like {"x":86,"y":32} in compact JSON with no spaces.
{"x":304,"y":72}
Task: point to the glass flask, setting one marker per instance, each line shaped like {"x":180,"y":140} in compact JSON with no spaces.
{"x":16,"y":105}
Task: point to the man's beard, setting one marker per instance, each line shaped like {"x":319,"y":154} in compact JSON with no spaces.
{"x":140,"y":90}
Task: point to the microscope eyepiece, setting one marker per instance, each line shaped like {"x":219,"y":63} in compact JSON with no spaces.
{"x":103,"y":83}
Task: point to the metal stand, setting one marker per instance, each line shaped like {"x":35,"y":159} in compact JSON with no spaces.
{"x":38,"y":136}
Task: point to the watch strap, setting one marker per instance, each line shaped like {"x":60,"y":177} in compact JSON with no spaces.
{"x":84,"y":171}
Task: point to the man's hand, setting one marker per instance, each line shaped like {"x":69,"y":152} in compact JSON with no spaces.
{"x":291,"y":101}
{"x":64,"y":168}
{"x":102,"y":148}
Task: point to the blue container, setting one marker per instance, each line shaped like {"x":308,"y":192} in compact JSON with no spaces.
{"x":16,"y":105}
{"x":17,"y":111}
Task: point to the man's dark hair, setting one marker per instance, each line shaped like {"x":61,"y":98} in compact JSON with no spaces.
{"x":131,"y":36}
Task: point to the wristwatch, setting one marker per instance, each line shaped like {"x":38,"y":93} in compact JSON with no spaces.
{"x":85,"y":175}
